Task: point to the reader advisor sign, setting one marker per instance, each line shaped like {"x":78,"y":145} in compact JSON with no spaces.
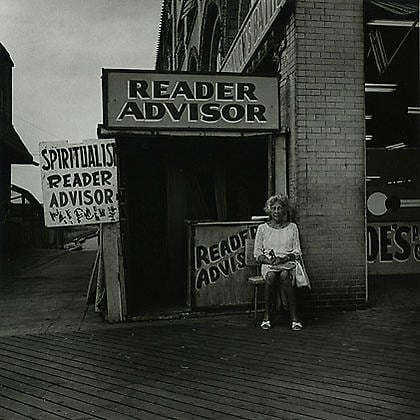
{"x":222,"y":258}
{"x":150,"y":100}
{"x":79,"y":182}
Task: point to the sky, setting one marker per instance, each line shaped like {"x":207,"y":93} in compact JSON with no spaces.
{"x":59,"y":48}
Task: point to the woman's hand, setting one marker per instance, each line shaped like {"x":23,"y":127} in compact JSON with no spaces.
{"x":264,"y":259}
{"x":271,"y":257}
{"x":280,"y":260}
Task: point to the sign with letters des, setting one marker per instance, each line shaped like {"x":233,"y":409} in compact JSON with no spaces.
{"x":79,"y":182}
{"x":393,"y":248}
{"x":135,"y":99}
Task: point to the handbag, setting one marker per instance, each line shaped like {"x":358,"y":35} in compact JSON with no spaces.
{"x":302,"y":279}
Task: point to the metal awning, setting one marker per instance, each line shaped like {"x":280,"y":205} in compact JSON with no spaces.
{"x":406,"y":8}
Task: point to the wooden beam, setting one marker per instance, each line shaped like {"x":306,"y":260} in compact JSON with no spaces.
{"x":114,"y":278}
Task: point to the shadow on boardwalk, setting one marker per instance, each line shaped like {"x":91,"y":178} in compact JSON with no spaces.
{"x":343,"y":365}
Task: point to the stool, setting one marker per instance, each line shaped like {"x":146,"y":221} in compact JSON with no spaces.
{"x":255,"y":281}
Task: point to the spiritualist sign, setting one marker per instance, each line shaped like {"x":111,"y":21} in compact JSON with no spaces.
{"x":79,"y":182}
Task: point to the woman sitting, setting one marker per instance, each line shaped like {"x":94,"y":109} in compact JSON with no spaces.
{"x":277,"y":247}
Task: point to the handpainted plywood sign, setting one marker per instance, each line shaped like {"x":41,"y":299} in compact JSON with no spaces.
{"x":79,"y":182}
{"x":173,"y":101}
{"x":219,"y":274}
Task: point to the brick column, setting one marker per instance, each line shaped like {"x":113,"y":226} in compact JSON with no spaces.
{"x":328,"y":171}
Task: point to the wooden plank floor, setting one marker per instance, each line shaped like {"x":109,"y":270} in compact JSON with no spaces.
{"x":46,"y":292}
{"x":348,"y":365}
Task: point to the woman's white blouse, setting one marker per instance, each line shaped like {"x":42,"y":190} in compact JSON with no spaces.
{"x":281,"y":241}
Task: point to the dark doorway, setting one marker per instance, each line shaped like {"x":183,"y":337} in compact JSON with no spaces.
{"x":166,"y":181}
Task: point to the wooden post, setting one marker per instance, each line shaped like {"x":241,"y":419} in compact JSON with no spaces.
{"x":100,"y":306}
{"x":114,"y":273}
{"x":121,"y":274}
{"x":190,"y":232}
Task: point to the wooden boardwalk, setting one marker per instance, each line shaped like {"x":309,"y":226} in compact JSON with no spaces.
{"x":348,"y":365}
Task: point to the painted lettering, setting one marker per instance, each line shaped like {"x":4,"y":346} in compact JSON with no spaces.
{"x":224,"y":248}
{"x":224,"y":268}
{"x":138,"y":89}
{"x":214,"y":252}
{"x":193,"y":112}
{"x":132,"y":110}
{"x":154,"y":111}
{"x":392,"y":243}
{"x":255,"y":113}
{"x":45,"y":155}
{"x":416,"y":252}
{"x":235,"y":116}
{"x":203,"y":90}
{"x":202,"y":278}
{"x":385,"y":243}
{"x":82,"y":179}
{"x":182,"y":89}
{"x":174,"y":112}
{"x":221,"y":259}
{"x":234,"y":242}
{"x":209,"y":112}
{"x":160,"y":88}
{"x":82,"y":197}
{"x":53,"y":180}
{"x":372,"y":244}
{"x":401,"y":241}
{"x":246,"y":90}
{"x":201,"y":256}
{"x":225,"y":91}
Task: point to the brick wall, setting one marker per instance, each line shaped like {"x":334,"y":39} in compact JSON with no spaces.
{"x":287,"y":82}
{"x":327,"y":154}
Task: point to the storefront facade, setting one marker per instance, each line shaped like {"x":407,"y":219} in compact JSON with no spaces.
{"x":12,"y":151}
{"x":315,"y":49}
{"x":192,"y":156}
{"x":321,"y":56}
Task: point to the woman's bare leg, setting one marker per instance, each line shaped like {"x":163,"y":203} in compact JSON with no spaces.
{"x":269,"y":287}
{"x":289,"y":291}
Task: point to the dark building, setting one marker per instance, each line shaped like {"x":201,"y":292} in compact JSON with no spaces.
{"x":12,"y":150}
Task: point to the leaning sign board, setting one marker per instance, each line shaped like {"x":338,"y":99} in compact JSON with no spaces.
{"x":79,"y":182}
{"x":136,"y":99}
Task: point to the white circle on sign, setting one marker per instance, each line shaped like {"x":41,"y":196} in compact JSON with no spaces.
{"x":376,"y":203}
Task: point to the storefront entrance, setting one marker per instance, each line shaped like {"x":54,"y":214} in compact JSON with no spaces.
{"x":167,"y":181}
{"x":392,"y":151}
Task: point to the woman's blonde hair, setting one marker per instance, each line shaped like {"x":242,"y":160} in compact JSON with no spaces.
{"x":280,"y":199}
